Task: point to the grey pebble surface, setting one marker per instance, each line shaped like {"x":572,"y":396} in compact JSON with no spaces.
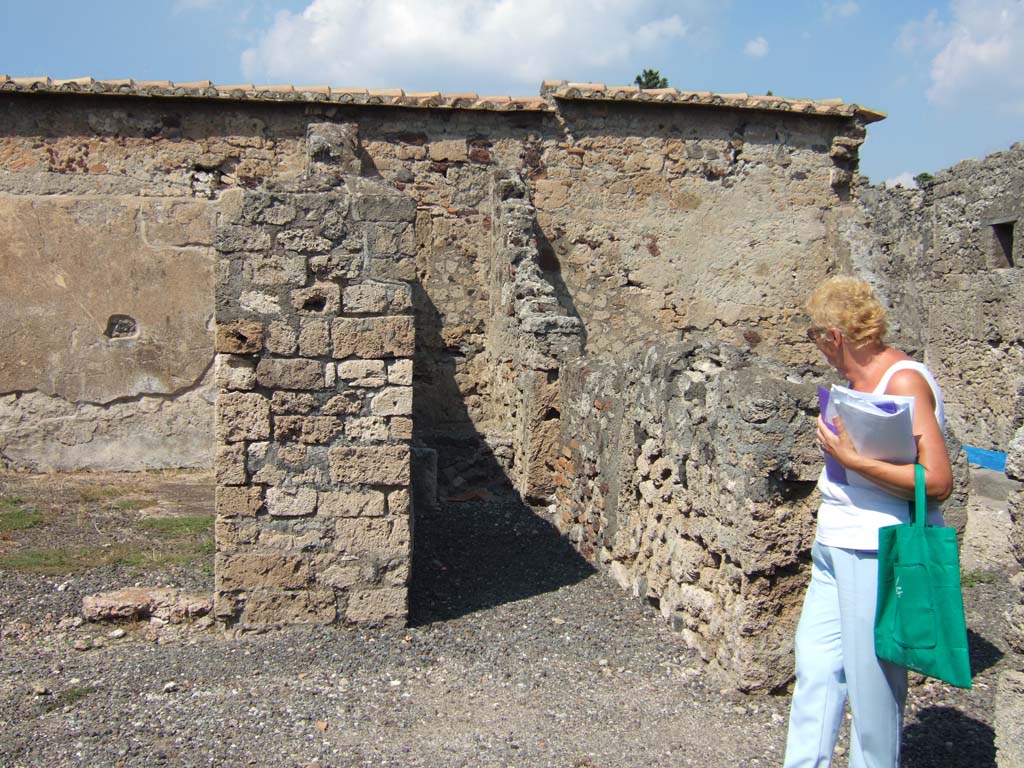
{"x":518,"y":654}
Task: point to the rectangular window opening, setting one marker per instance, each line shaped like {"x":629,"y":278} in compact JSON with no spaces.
{"x":1002,"y":235}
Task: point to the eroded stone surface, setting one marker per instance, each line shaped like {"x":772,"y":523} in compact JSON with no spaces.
{"x":170,"y":605}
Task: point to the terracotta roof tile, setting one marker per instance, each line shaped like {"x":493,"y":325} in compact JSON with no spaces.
{"x":560,"y":89}
{"x":551,"y":90}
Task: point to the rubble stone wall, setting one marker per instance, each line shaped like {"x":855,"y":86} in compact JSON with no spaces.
{"x":688,"y":473}
{"x":948,"y":258}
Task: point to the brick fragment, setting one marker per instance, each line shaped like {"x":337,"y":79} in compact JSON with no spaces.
{"x":371,"y":464}
{"x":377,"y":298}
{"x":392,"y":401}
{"x":292,"y":402}
{"x":363,"y":373}
{"x":321,"y":299}
{"x":234,"y":372}
{"x":282,"y":339}
{"x":239,"y":337}
{"x":250,"y":570}
{"x":238,"y":501}
{"x":242,"y":416}
{"x":229,"y":464}
{"x":351,"y":503}
{"x":291,"y":502}
{"x":290,"y":373}
{"x":400,"y":372}
{"x":308,"y":429}
{"x":274,"y":607}
{"x":373,"y":337}
{"x":314,"y":338}
{"x":377,"y":606}
{"x":380,"y":538}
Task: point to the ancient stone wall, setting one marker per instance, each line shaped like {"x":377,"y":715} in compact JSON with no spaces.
{"x":1009,"y":704}
{"x":107,"y":218}
{"x":948,"y":260}
{"x":688,"y":473}
{"x":603,"y":298}
{"x":315,"y":339}
{"x":649,"y":220}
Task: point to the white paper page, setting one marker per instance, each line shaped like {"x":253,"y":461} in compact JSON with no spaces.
{"x":876,"y":433}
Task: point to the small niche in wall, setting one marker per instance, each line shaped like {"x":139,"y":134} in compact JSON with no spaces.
{"x":121,"y":327}
{"x":1002,"y":243}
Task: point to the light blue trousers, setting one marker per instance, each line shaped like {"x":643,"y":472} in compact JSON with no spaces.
{"x":835,"y":659}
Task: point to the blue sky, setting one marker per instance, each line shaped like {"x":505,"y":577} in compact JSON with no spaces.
{"x":949,"y":73}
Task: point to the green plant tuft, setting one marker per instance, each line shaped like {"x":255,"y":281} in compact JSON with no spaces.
{"x":974,"y":578}
{"x":181,"y":525}
{"x":16,"y":519}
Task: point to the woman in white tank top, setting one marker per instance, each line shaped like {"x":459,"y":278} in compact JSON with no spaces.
{"x":835,"y":657}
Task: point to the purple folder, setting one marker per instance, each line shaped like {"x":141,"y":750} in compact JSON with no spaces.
{"x":834,"y":471}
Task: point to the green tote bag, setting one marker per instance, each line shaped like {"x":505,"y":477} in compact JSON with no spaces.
{"x":919,"y":621}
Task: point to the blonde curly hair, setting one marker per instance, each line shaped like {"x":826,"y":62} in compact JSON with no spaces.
{"x":851,"y":306}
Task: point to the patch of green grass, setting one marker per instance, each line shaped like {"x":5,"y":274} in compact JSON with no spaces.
{"x":69,"y":697}
{"x":180,"y":551}
{"x":10,"y":502}
{"x":133,"y":504}
{"x":43,"y":561}
{"x":18,"y":519}
{"x":180,"y":525}
{"x":974,"y":578}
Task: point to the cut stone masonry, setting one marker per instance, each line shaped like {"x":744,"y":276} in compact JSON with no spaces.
{"x":314,"y":400}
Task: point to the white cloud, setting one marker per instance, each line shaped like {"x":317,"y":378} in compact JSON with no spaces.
{"x":929,"y":33}
{"x":842,"y":9}
{"x":756,"y":48}
{"x":905,"y":179}
{"x":433,"y":44}
{"x":977,"y":56}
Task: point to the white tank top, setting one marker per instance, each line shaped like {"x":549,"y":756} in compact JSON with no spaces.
{"x":850,"y":515}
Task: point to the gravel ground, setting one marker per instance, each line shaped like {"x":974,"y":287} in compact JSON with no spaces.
{"x":518,"y":654}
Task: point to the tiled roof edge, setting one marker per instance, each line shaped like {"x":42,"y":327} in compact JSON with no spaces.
{"x":393,"y":97}
{"x":566,"y":91}
{"x":551,"y":90}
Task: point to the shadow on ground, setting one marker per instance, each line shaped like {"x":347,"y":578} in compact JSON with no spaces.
{"x":481,"y":545}
{"x":944,"y":737}
{"x":983,"y":653}
{"x":477,"y":554}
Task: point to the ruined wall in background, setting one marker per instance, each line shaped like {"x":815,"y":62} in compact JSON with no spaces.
{"x":948,"y":259}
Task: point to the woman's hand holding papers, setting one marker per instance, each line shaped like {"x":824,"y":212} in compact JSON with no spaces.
{"x":898,"y":479}
{"x":838,"y":445}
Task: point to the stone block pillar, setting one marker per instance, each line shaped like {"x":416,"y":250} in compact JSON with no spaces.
{"x":314,"y":343}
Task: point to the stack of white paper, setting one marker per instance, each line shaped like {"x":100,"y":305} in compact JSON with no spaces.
{"x":881,"y":427}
